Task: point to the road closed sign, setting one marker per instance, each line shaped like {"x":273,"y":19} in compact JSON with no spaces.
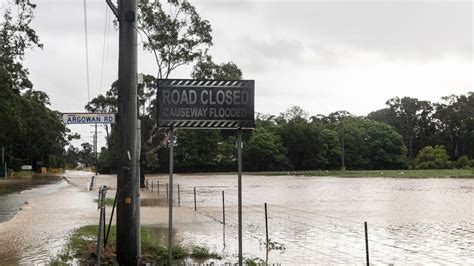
{"x":89,"y":118}
{"x":189,"y":103}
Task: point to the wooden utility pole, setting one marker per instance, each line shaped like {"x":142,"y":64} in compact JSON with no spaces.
{"x":128,"y":198}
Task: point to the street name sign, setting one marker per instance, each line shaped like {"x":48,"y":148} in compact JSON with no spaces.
{"x":26,"y":167}
{"x":89,"y":118}
{"x":187,"y":103}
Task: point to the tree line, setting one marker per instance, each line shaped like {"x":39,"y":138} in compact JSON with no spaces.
{"x":30,"y":132}
{"x":408,"y":133}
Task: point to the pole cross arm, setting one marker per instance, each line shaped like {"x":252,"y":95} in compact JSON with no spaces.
{"x":113,"y":7}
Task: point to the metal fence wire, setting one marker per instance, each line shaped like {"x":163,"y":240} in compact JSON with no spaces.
{"x":302,"y":237}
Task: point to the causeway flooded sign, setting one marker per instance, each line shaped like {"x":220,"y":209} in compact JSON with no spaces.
{"x":206,"y":103}
{"x":89,"y":118}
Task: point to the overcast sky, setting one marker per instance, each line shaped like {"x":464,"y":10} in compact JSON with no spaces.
{"x":322,"y":56}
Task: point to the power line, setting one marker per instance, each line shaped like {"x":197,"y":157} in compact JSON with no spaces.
{"x":87,"y":51}
{"x":104,"y":47}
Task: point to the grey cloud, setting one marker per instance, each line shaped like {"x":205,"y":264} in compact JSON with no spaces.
{"x":257,"y":54}
{"x":226,"y":5}
{"x":67,"y":17}
{"x":405,"y":29}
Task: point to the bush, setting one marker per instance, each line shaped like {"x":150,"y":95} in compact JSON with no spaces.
{"x":463,"y":162}
{"x":433,"y":158}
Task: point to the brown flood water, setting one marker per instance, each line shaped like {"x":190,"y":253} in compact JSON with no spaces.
{"x":319,"y":220}
{"x":39,"y":230}
{"x":311,"y":220}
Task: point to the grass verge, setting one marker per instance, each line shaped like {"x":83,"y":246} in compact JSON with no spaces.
{"x":21,"y":174}
{"x":81,"y":244}
{"x":108,"y":201}
{"x":432,"y":173}
{"x":438,"y":173}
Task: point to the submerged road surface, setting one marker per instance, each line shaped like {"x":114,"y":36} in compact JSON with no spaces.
{"x":38,"y":231}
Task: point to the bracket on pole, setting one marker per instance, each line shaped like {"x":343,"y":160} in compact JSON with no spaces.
{"x":113,"y":7}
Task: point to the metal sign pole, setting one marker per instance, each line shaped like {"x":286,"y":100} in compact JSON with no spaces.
{"x":95,"y":147}
{"x":170,"y":201}
{"x":239,"y":155}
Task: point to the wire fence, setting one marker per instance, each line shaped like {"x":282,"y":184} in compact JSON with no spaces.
{"x":277,"y":234}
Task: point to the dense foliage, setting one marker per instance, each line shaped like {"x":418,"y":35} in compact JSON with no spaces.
{"x":432,"y":158}
{"x":449,"y":123}
{"x":30,"y":132}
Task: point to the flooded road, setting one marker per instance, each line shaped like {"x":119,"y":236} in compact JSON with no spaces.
{"x":37,"y":232}
{"x":15,"y":192}
{"x":320,"y":220}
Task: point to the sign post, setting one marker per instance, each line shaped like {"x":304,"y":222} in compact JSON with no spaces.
{"x":239,"y":190}
{"x":170,"y":200}
{"x":206,"y":104}
{"x":3,"y":166}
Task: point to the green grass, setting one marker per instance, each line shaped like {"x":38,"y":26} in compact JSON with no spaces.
{"x":108,"y":201}
{"x":81,"y":243}
{"x":23,"y":173}
{"x":199,"y":252}
{"x":438,"y":173}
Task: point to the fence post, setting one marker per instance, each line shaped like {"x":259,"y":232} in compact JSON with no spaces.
{"x":195,"y":199}
{"x":266,"y":229}
{"x":179,"y":197}
{"x":223,"y":217}
{"x":158,"y":186}
{"x":146,"y":184}
{"x":152,"y":186}
{"x":223,"y":208}
{"x":366,"y":244}
{"x":101,"y":207}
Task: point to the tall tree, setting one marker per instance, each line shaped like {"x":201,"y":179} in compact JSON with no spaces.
{"x":86,"y":154}
{"x":372,"y":145}
{"x":265,"y":151}
{"x":30,"y":131}
{"x":175,"y":34}
{"x":16,"y":36}
{"x":455,"y":122}
{"x":207,"y":69}
{"x":302,"y":139}
{"x":412,"y":118}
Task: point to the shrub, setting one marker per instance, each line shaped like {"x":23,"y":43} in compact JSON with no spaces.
{"x":433,"y":158}
{"x":463,"y":162}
